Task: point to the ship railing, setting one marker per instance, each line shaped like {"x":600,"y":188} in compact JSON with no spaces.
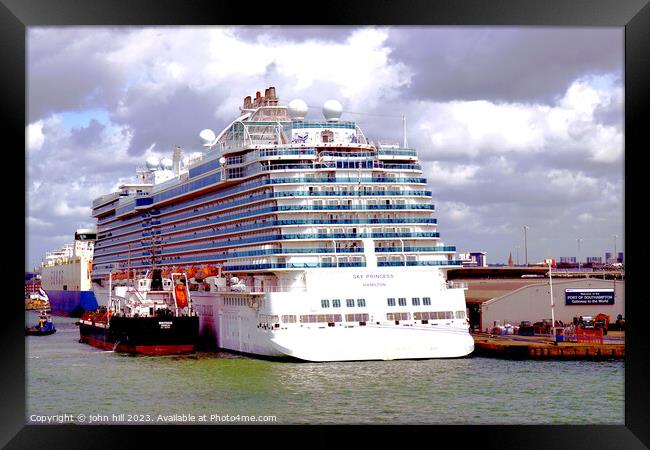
{"x":260,"y":289}
{"x":105,"y":198}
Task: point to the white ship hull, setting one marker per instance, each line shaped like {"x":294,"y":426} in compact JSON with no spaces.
{"x":374,"y":342}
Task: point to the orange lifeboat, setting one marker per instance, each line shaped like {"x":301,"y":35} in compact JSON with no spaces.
{"x":181,"y":295}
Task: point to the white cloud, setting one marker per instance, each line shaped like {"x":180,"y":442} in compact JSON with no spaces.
{"x":450,"y":173}
{"x":480,"y":128}
{"x":35,"y":137}
{"x":157,"y":63}
{"x":35,"y":222}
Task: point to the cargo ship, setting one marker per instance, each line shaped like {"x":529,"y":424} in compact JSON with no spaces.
{"x":153,"y":316}
{"x":66,"y":276}
{"x":302,"y":239}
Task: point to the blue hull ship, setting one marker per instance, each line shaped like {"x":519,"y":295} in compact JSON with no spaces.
{"x":72,"y":303}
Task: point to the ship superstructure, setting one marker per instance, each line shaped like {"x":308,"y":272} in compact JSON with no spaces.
{"x":66,"y":275}
{"x":302,"y":238}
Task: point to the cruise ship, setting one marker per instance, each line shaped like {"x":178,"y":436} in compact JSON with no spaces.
{"x":66,"y":275}
{"x":302,"y":239}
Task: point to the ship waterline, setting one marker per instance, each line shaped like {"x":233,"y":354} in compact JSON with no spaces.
{"x":301,"y":239}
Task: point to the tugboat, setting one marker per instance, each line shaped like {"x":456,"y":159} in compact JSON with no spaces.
{"x":156,"y":317}
{"x":44,"y":326}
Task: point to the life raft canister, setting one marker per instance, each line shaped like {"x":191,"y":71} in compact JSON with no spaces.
{"x":181,"y":295}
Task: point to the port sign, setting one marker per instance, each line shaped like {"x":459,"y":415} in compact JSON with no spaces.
{"x":589,"y":296}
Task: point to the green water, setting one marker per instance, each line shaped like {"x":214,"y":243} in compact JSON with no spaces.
{"x":66,"y":377}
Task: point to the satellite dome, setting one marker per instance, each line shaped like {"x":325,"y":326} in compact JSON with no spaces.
{"x":332,"y":110}
{"x":166,"y":163}
{"x":152,"y":162}
{"x":207,"y":136}
{"x":298,"y":109}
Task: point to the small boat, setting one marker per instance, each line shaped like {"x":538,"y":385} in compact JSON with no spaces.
{"x":44,"y":326}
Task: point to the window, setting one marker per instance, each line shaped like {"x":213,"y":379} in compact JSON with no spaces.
{"x":402,"y":301}
{"x":336,"y":303}
{"x":391,"y":302}
{"x":325,"y":303}
{"x":361,"y":302}
{"x":398,"y":316}
{"x":356,"y":317}
{"x":415,"y":301}
{"x":426,"y":301}
{"x":460,"y":314}
{"x":349,"y":303}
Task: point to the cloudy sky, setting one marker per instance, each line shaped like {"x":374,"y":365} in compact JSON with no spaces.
{"x":514,"y":125}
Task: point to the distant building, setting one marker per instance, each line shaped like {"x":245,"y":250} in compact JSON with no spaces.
{"x":568,"y":259}
{"x":594,"y":259}
{"x":32,"y":283}
{"x":473,"y":259}
{"x":620,"y":258}
{"x":572,"y":298}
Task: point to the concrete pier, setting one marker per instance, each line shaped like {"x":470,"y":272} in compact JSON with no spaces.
{"x":535,"y":347}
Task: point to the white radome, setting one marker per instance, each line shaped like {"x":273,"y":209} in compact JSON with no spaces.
{"x":207,"y":136}
{"x":152,"y":162}
{"x":298,"y":109}
{"x":332,"y":110}
{"x":166,"y":163}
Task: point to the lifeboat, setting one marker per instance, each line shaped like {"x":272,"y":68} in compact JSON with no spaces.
{"x":181,"y":295}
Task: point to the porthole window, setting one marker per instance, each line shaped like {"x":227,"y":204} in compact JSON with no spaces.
{"x":391,"y":302}
{"x":415,"y":301}
{"x":325,"y":303}
{"x":426,"y":301}
{"x":336,"y":303}
{"x":361,"y":302}
{"x":402,"y":301}
{"x":349,"y":302}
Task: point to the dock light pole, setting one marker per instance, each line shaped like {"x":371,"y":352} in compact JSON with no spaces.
{"x":550,"y":281}
{"x":615,"y":254}
{"x":517,"y":255}
{"x":579,"y":241}
{"x":526,"y":227}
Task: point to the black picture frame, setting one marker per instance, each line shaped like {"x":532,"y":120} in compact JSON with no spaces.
{"x":634,"y":15}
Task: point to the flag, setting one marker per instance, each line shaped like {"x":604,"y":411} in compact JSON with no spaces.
{"x":42,"y":295}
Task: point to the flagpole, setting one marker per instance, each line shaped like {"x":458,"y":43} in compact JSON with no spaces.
{"x":550,"y":280}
